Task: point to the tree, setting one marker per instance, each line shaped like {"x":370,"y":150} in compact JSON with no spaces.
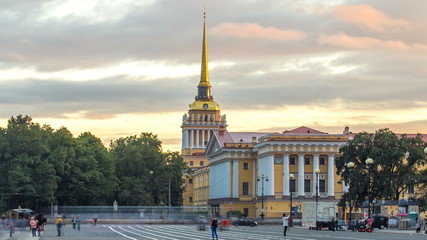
{"x":143,"y":171}
{"x":396,"y":162}
{"x":88,"y":171}
{"x":24,"y":157}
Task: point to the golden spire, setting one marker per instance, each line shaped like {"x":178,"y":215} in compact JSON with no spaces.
{"x":204,"y":76}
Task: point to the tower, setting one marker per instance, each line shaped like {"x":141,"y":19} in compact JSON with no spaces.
{"x":202,"y":119}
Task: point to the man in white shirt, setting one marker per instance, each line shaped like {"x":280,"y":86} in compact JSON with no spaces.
{"x":285,"y":220}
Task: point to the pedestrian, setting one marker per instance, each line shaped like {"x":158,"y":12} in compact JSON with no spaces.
{"x":59,"y":222}
{"x":336,"y":225}
{"x":33,"y":226}
{"x":214,"y":225}
{"x":285,"y":221}
{"x":40,"y":221}
{"x":95,"y":219}
{"x":73,"y":221}
{"x":417,"y":227}
{"x":11,"y":227}
{"x":332,"y":225}
{"x":78,"y":220}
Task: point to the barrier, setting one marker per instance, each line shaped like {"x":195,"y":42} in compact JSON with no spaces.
{"x":225,"y":224}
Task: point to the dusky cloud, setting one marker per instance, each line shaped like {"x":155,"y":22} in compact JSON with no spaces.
{"x":110,"y":59}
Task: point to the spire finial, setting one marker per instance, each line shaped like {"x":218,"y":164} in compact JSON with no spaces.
{"x":204,"y":85}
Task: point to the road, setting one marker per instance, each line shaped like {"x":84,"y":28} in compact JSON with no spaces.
{"x":185,"y":232}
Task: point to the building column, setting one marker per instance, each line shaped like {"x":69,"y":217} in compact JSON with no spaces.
{"x":235,"y":178}
{"x":331,"y":175}
{"x":203,"y":138}
{"x":315,"y":166}
{"x":286,"y":174}
{"x":197,"y":138}
{"x":191,"y":134}
{"x":301,"y":175}
{"x":266,"y":166}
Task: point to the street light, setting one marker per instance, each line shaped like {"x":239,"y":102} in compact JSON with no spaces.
{"x":291,"y":178}
{"x":317,"y":171}
{"x":262,"y":178}
{"x":350,"y":167}
{"x":369,"y":163}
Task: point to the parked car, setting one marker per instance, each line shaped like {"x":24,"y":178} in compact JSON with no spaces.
{"x":245,"y":222}
{"x":380,"y":222}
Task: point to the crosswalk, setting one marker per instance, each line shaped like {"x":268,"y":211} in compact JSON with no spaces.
{"x":189,"y":232}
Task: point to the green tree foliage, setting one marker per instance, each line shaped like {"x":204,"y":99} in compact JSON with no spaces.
{"x":393,"y":169}
{"x":40,"y":166}
{"x":144,"y":171}
{"x":26,"y":170}
{"x":88,"y":175}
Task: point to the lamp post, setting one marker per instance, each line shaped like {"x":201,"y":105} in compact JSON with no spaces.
{"x":262,"y":178}
{"x":291,"y":178}
{"x":350,"y":167}
{"x":369,"y":163}
{"x":317,"y":171}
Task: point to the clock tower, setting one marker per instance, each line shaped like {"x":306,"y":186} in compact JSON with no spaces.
{"x":202,"y":119}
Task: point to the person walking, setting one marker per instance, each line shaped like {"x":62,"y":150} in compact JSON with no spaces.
{"x":33,"y":226}
{"x":78,"y":220}
{"x":11,"y":227}
{"x":59,"y":222}
{"x":417,"y":227}
{"x":285,"y":220}
{"x":73,"y":221}
{"x":95,"y":219}
{"x":214,"y":225}
{"x":336,"y":225}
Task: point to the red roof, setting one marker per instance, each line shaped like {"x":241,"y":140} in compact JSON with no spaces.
{"x":303,"y":130}
{"x":238,"y":137}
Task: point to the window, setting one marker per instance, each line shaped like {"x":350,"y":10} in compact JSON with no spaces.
{"x":307,"y":161}
{"x":202,"y":163}
{"x":292,"y":187}
{"x":245,"y":166}
{"x":292,"y":161}
{"x":307,"y":185}
{"x":322,"y":161}
{"x":191,"y":199}
{"x":245,"y":212}
{"x":245,"y":188}
{"x":190,"y":181}
{"x":191,"y":163}
{"x":322,"y":185}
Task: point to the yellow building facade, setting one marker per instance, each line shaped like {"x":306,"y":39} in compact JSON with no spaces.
{"x":254,"y":172}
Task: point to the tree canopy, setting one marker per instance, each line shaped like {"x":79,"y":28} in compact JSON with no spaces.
{"x":396,"y":165}
{"x":40,"y":165}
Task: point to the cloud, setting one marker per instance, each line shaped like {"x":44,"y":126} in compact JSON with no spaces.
{"x":368,"y":17}
{"x":255,"y":31}
{"x":344,"y":40}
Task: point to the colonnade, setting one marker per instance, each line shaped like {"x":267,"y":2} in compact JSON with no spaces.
{"x":196,"y":138}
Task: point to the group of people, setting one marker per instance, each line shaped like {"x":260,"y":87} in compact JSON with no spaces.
{"x":36,"y":224}
{"x":214,"y":225}
{"x":60,"y":223}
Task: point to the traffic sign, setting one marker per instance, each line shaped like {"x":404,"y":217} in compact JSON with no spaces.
{"x":296,"y":203}
{"x":230,"y":207}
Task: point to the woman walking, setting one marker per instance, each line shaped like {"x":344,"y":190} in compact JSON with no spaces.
{"x":285,"y":224}
{"x":214,"y":225}
{"x":33,"y":226}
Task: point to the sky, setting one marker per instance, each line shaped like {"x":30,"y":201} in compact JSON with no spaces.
{"x":117,"y":68}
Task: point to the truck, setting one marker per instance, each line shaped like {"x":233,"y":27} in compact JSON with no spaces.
{"x":326,"y":212}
